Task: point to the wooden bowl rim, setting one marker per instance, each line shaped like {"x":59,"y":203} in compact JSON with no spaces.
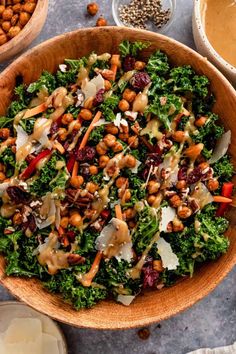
{"x":21,"y":36}
{"x":134,"y":322}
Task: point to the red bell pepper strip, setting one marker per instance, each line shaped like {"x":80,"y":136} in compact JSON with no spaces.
{"x":227,"y":191}
{"x":32,"y":166}
{"x":70,"y":163}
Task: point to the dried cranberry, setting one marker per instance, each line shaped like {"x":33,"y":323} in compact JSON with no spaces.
{"x":71,"y":235}
{"x":105,"y":214}
{"x":150,"y":275}
{"x":85,"y":171}
{"x":140,"y":80}
{"x":54,"y":128}
{"x":182,"y":173}
{"x":99,"y":97}
{"x":153,"y":159}
{"x":194,"y":176}
{"x":128,"y":63}
{"x":86,"y":154}
{"x":18,"y":195}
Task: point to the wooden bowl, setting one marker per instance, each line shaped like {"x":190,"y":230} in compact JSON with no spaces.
{"x":28,"y":33}
{"x":152,"y":306}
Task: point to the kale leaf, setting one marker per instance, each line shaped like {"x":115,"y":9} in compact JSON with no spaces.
{"x":158,"y":64}
{"x":46,"y":80}
{"x":108,"y":106}
{"x":165,"y":112}
{"x":70,"y":75}
{"x":209,"y":133}
{"x":132,"y":48}
{"x":7,"y":157}
{"x":223,"y":169}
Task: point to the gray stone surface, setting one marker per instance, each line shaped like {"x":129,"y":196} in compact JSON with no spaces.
{"x":209,"y":323}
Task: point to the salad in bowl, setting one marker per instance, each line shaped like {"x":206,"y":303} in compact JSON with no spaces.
{"x":114,"y":177}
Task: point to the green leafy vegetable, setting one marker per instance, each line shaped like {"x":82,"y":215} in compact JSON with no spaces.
{"x":223,"y":168}
{"x":210,"y":131}
{"x":158,"y":64}
{"x":46,"y":80}
{"x":165,"y":111}
{"x":132,"y":48}
{"x":7,"y":157}
{"x":108,"y":106}
{"x":28,"y":125}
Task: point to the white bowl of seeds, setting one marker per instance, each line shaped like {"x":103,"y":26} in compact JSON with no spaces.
{"x":153,"y":15}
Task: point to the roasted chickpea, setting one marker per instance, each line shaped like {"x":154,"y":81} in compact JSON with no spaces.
{"x":6,"y":25}
{"x":109,"y":140}
{"x":76,"y":125}
{"x":101,"y":148}
{"x":4,"y":133}
{"x":14,"y":19}
{"x":93,"y":170}
{"x":16,"y":8}
{"x":67,"y":118}
{"x":77,"y":181}
{"x":123,"y":105}
{"x":204,"y":166}
{"x":153,"y":187}
{"x":17,"y":218}
{"x":184,"y":212}
{"x":117,"y":147}
{"x":179,"y":136}
{"x":200,"y":121}
{"x":124,"y":195}
{"x":157,"y":265}
{"x":101,"y":22}
{"x":111,"y":129}
{"x":212,"y":184}
{"x":3,"y":39}
{"x":7,"y":14}
{"x":151,"y":199}
{"x":181,"y":184}
{"x":62,"y":133}
{"x":121,"y":181}
{"x":129,"y":95}
{"x":24,"y":18}
{"x":129,"y":213}
{"x":92,"y":187}
{"x":133,"y":142}
{"x":75,"y":220}
{"x":130,"y":161}
{"x":2,"y":176}
{"x":175,"y":201}
{"x":88,"y":104}
{"x":29,"y":7}
{"x":92,"y":8}
{"x":123,"y":136}
{"x":64,"y":222}
{"x":14,"y":31}
{"x":107,"y":85}
{"x":139,"y":65}
{"x":103,"y":161}
{"x":177,"y":225}
{"x":85,"y":114}
{"x":2,"y":9}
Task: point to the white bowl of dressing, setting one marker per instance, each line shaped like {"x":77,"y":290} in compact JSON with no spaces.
{"x":214,"y":31}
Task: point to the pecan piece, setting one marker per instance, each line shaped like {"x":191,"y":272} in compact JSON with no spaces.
{"x":74,"y":259}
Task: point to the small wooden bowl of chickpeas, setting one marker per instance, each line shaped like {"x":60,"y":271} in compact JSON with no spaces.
{"x":20,"y":23}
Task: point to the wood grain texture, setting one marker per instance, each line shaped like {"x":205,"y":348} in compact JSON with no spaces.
{"x":28,"y":34}
{"x":152,"y":306}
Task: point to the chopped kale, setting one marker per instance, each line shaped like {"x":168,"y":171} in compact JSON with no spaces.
{"x":46,"y":80}
{"x":132,"y":48}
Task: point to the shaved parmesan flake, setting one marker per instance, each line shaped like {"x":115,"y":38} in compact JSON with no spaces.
{"x":118,"y":121}
{"x":125,"y":299}
{"x":3,"y":187}
{"x":202,"y":195}
{"x":21,"y":137}
{"x":47,"y":212}
{"x":80,"y":98}
{"x":167,"y":215}
{"x":221,"y":148}
{"x":43,"y":140}
{"x":168,"y":257}
{"x":93,"y":86}
{"x":63,"y":68}
{"x":131,"y":115}
{"x":115,"y":240}
{"x":135,"y":168}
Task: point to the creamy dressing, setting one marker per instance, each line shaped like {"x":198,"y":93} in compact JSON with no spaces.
{"x":52,"y":258}
{"x":219,"y":21}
